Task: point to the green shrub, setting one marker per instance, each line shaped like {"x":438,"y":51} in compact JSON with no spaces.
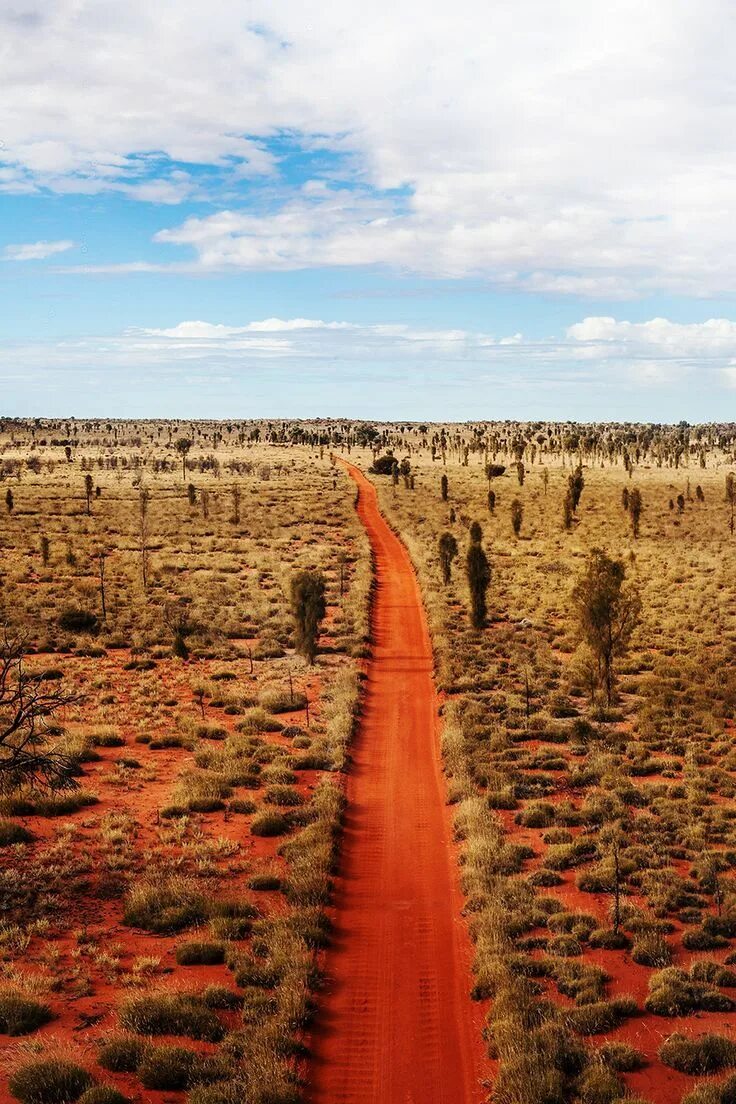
{"x":276,"y":701}
{"x":49,"y":1081}
{"x":269,"y":823}
{"x":76,"y":620}
{"x":602,"y":1016}
{"x":171,"y":1014}
{"x":19,"y":1014}
{"x":621,"y":1057}
{"x":200,"y":954}
{"x":283,"y":795}
{"x":164,"y":906}
{"x":704,"y":1054}
{"x":103,"y":1094}
{"x":168,"y":1068}
{"x":650,"y":949}
{"x":11,"y":833}
{"x":123,"y":1054}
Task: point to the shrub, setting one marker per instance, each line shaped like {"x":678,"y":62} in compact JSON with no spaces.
{"x":650,"y":949}
{"x":723,"y":1092}
{"x":103,"y":1094}
{"x":672,"y":992}
{"x":621,"y":1057}
{"x":171,"y":1014}
{"x":19,"y":1014}
{"x":239,"y":805}
{"x":283,"y":795}
{"x":602,"y":1016}
{"x":219,"y":996}
{"x":123,"y":1054}
{"x":277,"y":701}
{"x":269,"y":823}
{"x":168,"y":1067}
{"x":76,"y":620}
{"x":704,"y":1054}
{"x":11,"y":833}
{"x":49,"y":1081}
{"x":200,"y":954}
{"x":165,"y":906}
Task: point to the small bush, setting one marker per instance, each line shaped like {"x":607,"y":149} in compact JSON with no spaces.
{"x":11,"y":833}
{"x":168,"y":1068}
{"x":269,"y":823}
{"x":165,"y":906}
{"x":76,"y":620}
{"x":704,"y":1054}
{"x":103,"y":1094}
{"x":19,"y":1014}
{"x":171,"y":1014}
{"x":49,"y":1081}
{"x":275,"y":701}
{"x":621,"y":1057}
{"x":122,"y":1055}
{"x":286,"y":796}
{"x":200,"y":954}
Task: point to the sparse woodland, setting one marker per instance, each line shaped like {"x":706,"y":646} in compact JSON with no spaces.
{"x":162,"y":918}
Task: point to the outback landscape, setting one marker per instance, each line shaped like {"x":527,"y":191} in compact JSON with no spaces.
{"x":367,"y":762}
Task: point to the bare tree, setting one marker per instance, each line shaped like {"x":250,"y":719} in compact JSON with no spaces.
{"x":27,"y":704}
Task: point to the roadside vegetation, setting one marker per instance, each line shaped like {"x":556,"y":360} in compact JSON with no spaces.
{"x":184,"y":628}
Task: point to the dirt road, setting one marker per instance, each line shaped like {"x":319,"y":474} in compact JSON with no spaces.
{"x":396,"y":1025}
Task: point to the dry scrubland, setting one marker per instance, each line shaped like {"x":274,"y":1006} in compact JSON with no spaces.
{"x":160,"y":923}
{"x":157,"y":937}
{"x":559,"y":798}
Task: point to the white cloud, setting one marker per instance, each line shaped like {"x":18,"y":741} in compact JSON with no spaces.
{"x":35,"y":251}
{"x":654,"y":352}
{"x":573,"y":148}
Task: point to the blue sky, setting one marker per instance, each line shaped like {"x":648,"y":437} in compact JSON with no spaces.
{"x":489,"y":211}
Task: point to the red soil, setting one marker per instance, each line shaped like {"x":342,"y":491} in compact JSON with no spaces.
{"x":396,"y":1024}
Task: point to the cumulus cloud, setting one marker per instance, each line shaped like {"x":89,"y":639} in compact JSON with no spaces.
{"x":35,"y":251}
{"x":580,"y":149}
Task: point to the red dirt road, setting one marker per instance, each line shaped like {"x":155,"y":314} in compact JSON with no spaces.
{"x":396,"y":1024}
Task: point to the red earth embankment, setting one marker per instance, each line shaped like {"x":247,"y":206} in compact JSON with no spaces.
{"x":396,"y":1024}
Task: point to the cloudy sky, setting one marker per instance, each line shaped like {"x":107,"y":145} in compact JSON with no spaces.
{"x":484,"y":209}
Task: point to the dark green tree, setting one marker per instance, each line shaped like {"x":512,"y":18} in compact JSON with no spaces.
{"x":478,"y":571}
{"x":517,"y":516}
{"x":635,"y":508}
{"x":575,"y":483}
{"x":182,"y":446}
{"x":308,"y":607}
{"x":448,"y":552}
{"x":608,"y":611}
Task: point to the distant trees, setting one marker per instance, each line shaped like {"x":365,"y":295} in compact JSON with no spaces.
{"x":517,"y":516}
{"x":448,"y":552}
{"x":478,"y":572}
{"x":28,"y":703}
{"x":182,"y":446}
{"x":308,"y":608}
{"x":608,"y":611}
